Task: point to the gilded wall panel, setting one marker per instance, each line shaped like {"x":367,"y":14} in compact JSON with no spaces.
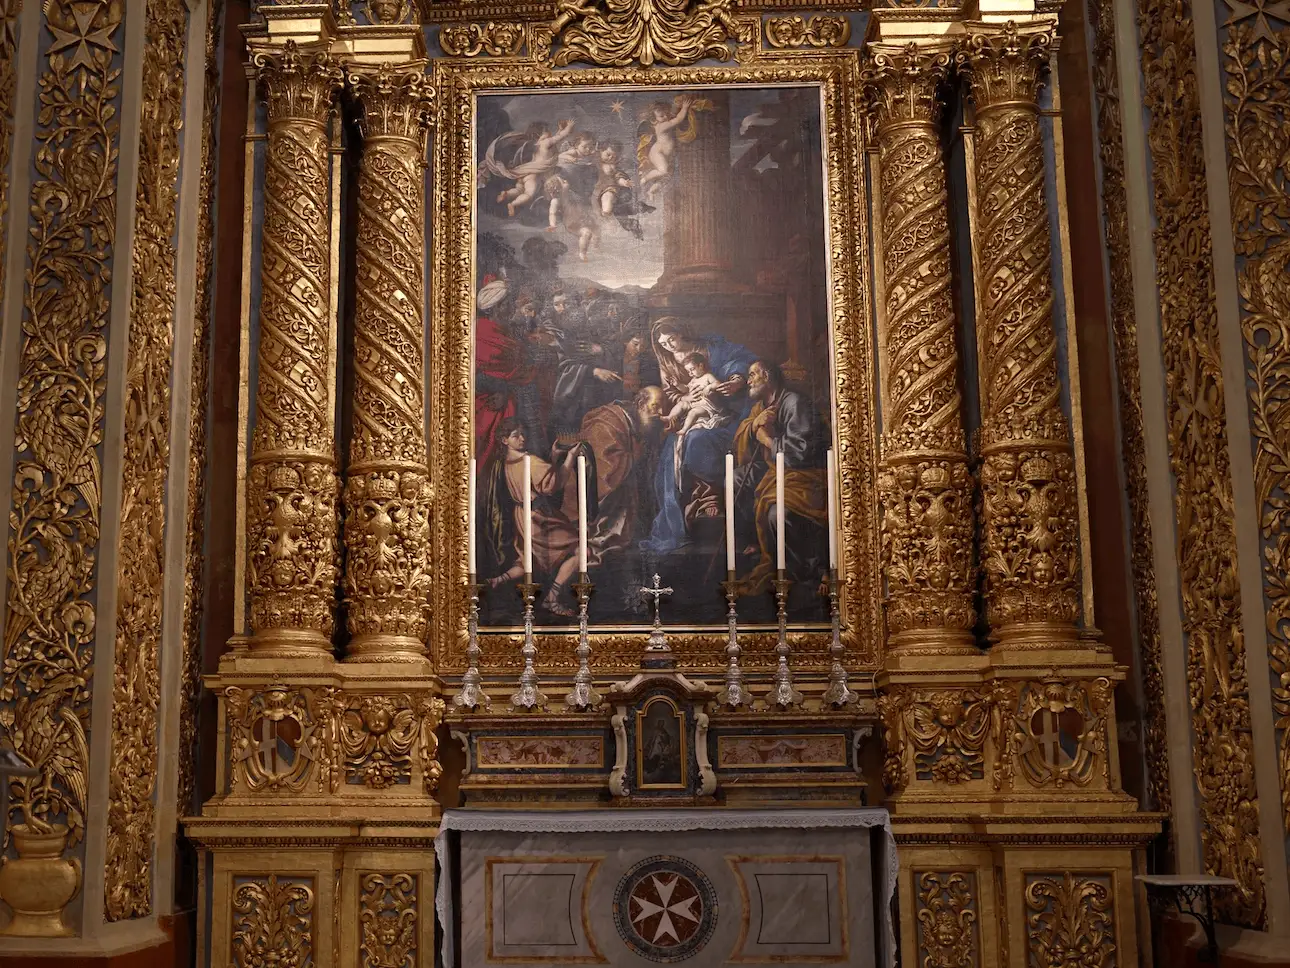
{"x":387,"y":917}
{"x":1198,"y":451}
{"x":1070,"y":912}
{"x":946,"y":909}
{"x":1256,"y":67}
{"x":127,"y":872}
{"x":9,"y":10}
{"x":272,"y":921}
{"x":55,"y":505}
{"x":1125,"y":333}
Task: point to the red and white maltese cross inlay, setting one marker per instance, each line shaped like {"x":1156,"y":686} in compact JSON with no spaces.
{"x":666,"y":908}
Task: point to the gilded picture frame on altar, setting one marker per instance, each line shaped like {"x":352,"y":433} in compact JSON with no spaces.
{"x":474,"y":217}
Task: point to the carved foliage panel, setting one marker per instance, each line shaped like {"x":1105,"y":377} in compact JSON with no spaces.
{"x":9,"y":10}
{"x":1198,"y":449}
{"x":273,"y":921}
{"x":387,"y":918}
{"x":1125,"y":333}
{"x":1070,"y":918}
{"x":145,"y":462}
{"x":56,"y":506}
{"x":1256,"y":67}
{"x":947,"y":910}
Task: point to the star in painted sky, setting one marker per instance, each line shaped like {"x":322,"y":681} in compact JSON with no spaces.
{"x":1260,"y":10}
{"x":84,"y":36}
{"x":618,"y":107}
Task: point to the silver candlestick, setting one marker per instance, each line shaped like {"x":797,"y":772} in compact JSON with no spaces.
{"x":583,"y":695}
{"x":838,"y":693}
{"x":782,"y":694}
{"x":734,"y":694}
{"x":529,"y":695}
{"x":472,"y":694}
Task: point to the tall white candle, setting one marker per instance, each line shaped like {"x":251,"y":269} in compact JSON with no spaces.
{"x":833,"y":509}
{"x":528,"y":515}
{"x":730,"y":512}
{"x":470,"y":520}
{"x":582,"y":514}
{"x":779,"y":511}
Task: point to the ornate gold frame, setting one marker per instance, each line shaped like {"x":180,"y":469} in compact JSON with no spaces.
{"x":836,"y":73}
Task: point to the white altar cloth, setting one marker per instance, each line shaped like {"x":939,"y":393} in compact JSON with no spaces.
{"x":663,"y":821}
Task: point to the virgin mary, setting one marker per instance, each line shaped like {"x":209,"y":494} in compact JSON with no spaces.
{"x":703,"y":450}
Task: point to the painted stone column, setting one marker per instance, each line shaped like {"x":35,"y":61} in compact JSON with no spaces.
{"x":291,"y":493}
{"x":387,"y":496}
{"x":924,"y":483}
{"x":1030,"y":546}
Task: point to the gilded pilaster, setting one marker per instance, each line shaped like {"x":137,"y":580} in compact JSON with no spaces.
{"x":387,"y":497}
{"x":1030,"y":546}
{"x":291,"y":493}
{"x":924,"y":484}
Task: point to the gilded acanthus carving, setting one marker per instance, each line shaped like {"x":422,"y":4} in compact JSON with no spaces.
{"x":817,"y":31}
{"x":1070,"y":917}
{"x":1222,"y":756}
{"x":291,"y":490}
{"x":1125,"y":332}
{"x":387,"y":915}
{"x":1030,"y":547}
{"x":947,"y":920}
{"x":387,"y":496}
{"x":619,"y":33}
{"x":9,"y":10}
{"x":1256,"y":62}
{"x":272,"y":921}
{"x":491,"y":39}
{"x":924,"y":483}
{"x":54,"y":518}
{"x":127,"y":872}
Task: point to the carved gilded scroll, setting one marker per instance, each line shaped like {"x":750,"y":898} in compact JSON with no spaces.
{"x":1198,"y":452}
{"x":273,"y":920}
{"x":56,"y":503}
{"x":9,"y":10}
{"x":1066,"y":910}
{"x":947,"y":913}
{"x":127,"y":872}
{"x":387,"y":497}
{"x":1256,"y":62}
{"x":1125,"y":333}
{"x":627,"y":32}
{"x":1030,"y":545}
{"x":924,"y":484}
{"x":387,"y":917}
{"x":291,"y":491}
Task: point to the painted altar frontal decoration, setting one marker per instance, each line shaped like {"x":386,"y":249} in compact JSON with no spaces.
{"x":651,"y":294}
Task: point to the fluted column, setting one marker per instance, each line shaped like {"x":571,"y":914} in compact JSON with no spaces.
{"x":1030,"y":544}
{"x":387,"y":496}
{"x":924,"y":483}
{"x":291,"y":492}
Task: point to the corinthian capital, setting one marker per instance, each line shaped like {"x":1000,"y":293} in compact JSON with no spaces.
{"x":396,"y":104}
{"x":902,"y":83}
{"x":1006,"y":65}
{"x":297,"y":85}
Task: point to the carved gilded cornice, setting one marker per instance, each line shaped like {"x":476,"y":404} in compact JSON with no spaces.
{"x":620,"y":33}
{"x":451,"y":11}
{"x":925,"y":487}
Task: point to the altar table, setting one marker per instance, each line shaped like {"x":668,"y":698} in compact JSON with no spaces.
{"x":630,"y":888}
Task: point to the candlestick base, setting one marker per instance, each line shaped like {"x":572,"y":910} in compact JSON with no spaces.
{"x":583,"y":695}
{"x":838,"y":692}
{"x":733,"y":694}
{"x":529,"y":695}
{"x":472,"y":695}
{"x":783,"y":694}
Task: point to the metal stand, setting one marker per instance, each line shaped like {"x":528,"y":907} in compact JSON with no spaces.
{"x":734,"y":694}
{"x":1185,"y":890}
{"x":472,"y":694}
{"x":658,"y":653}
{"x":782,"y":694}
{"x":583,"y":695}
{"x":528,"y":696}
{"x":838,"y":693}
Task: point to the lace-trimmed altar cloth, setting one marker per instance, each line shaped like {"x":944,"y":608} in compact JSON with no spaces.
{"x":660,"y":821}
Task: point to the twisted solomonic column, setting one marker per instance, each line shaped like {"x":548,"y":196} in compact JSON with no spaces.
{"x":291,"y":487}
{"x":387,"y":496}
{"x":924,"y":483}
{"x":1030,"y":544}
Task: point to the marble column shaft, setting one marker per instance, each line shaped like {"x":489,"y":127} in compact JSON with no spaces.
{"x":1030,"y":545}
{"x":925,"y":486}
{"x":387,"y":496}
{"x":292,"y":524}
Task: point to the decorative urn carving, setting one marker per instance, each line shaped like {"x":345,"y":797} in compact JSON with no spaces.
{"x":39,"y":883}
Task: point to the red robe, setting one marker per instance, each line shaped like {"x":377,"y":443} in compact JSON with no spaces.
{"x":497,"y":355}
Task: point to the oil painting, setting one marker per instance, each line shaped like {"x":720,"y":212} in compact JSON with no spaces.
{"x":651,"y":295}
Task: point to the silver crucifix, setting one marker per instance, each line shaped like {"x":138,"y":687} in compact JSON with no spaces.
{"x":657,"y":637}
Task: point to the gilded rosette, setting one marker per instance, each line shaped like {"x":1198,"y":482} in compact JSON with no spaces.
{"x":1030,"y":547}
{"x":291,"y":490}
{"x":387,"y":497}
{"x":924,"y":484}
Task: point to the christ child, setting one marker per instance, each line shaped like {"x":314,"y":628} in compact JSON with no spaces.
{"x":698,"y":403}
{"x":545,"y":158}
{"x":664,"y":120}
